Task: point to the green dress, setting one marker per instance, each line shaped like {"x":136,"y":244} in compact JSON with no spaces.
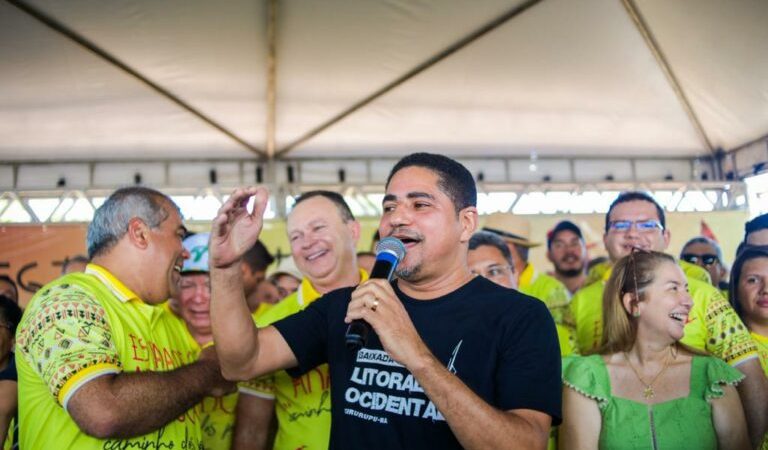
{"x":684,"y":422}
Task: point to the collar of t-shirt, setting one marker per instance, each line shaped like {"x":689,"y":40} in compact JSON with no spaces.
{"x":308,"y":294}
{"x":121,"y":291}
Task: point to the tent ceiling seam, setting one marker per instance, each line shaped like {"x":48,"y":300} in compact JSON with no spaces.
{"x":661,"y":59}
{"x":421,"y":67}
{"x":62,"y":29}
{"x":271,"y":122}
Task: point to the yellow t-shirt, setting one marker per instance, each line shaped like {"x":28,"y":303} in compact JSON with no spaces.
{"x":79,"y":327}
{"x":713,"y":326}
{"x":302,"y":405}
{"x":217,"y":414}
{"x":762,"y":350}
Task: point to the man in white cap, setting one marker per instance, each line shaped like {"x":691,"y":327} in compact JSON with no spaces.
{"x":217,"y":414}
{"x":516,"y":232}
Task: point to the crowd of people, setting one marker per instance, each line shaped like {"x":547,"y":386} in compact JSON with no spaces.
{"x":163,"y":339}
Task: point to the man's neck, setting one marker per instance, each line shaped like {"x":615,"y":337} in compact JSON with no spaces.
{"x":349,"y":277}
{"x":124,"y":270}
{"x":443,"y":283}
{"x":573,"y":284}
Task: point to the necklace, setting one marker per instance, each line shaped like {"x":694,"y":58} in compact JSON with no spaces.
{"x":648,"y":391}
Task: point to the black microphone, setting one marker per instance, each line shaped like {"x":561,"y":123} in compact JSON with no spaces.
{"x":389,"y":252}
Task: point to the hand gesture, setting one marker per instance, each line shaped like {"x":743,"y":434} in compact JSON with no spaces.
{"x":234,"y":230}
{"x":375,"y":302}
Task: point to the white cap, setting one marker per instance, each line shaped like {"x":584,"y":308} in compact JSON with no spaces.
{"x":197,"y":246}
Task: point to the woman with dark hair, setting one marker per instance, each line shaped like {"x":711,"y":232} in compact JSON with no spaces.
{"x":748,"y":293}
{"x":643,"y":389}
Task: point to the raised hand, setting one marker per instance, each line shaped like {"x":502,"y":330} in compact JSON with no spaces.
{"x":234,"y":230}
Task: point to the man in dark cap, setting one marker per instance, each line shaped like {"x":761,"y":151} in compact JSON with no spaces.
{"x":567,"y":251}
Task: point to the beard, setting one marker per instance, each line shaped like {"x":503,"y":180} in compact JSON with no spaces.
{"x":408,"y":273}
{"x":569,"y":273}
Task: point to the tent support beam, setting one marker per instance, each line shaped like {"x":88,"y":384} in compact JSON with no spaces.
{"x":661,"y":59}
{"x":271,"y":78}
{"x":448,"y":51}
{"x":62,"y":29}
{"x":763,"y":138}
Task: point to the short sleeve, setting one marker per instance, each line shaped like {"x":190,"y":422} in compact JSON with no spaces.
{"x":306,"y":333}
{"x":263,"y":387}
{"x":66,"y":338}
{"x":587,"y":376}
{"x":718,"y":374}
{"x":726,"y":335}
{"x":528,"y":376}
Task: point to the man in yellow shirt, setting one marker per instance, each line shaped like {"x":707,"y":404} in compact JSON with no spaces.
{"x":635,"y":221}
{"x":516,"y":233}
{"x":217,"y":414}
{"x":323,"y":234}
{"x":100,"y":365}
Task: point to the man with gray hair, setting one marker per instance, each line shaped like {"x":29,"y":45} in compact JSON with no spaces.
{"x":97,"y":358}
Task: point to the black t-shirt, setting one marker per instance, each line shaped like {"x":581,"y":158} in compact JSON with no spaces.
{"x":502,"y":344}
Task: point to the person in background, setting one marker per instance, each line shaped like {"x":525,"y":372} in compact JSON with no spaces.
{"x":516,"y":231}
{"x":76,"y":263}
{"x":628,"y":395}
{"x":323,"y":235}
{"x":366,"y":260}
{"x":254,"y":267}
{"x":635,"y":221}
{"x":8,"y":288}
{"x":217,"y":414}
{"x":756,"y":231}
{"x":10,"y":315}
{"x":286,"y":277}
{"x":706,"y":253}
{"x":749,"y":295}
{"x":489,"y":256}
{"x":97,"y":358}
{"x":567,"y":252}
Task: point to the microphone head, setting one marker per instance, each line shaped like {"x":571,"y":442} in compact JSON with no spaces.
{"x":391,"y":245}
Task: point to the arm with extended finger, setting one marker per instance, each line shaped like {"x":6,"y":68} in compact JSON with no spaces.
{"x":234,"y":231}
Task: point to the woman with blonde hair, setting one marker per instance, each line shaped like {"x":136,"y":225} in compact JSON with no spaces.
{"x":643,"y":389}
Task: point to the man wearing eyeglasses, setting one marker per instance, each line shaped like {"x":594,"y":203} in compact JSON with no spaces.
{"x":706,"y":253}
{"x":635,"y":222}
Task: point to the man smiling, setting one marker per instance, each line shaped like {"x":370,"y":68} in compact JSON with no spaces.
{"x":100,"y":364}
{"x":323,"y":234}
{"x":453,"y":361}
{"x":636,"y":222}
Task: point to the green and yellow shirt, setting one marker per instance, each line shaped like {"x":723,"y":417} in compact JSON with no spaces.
{"x":82,"y":326}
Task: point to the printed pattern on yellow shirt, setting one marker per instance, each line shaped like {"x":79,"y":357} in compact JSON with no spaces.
{"x":713,"y":326}
{"x":82,"y":326}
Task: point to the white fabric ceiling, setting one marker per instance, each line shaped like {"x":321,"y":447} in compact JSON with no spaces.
{"x":563,"y":78}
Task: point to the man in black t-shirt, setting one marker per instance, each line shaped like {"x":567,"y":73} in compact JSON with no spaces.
{"x":453,"y":361}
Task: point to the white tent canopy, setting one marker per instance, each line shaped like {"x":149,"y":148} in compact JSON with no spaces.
{"x":179,"y":80}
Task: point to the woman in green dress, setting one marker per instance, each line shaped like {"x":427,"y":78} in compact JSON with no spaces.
{"x":644,"y":390}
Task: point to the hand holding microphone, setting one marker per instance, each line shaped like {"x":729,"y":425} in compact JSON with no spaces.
{"x":389,"y":252}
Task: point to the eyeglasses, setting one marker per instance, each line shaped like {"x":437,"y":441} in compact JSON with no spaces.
{"x":706,"y":259}
{"x":495,"y":270}
{"x":642,"y":226}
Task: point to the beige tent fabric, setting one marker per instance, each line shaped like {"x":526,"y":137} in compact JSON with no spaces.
{"x":563,"y":78}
